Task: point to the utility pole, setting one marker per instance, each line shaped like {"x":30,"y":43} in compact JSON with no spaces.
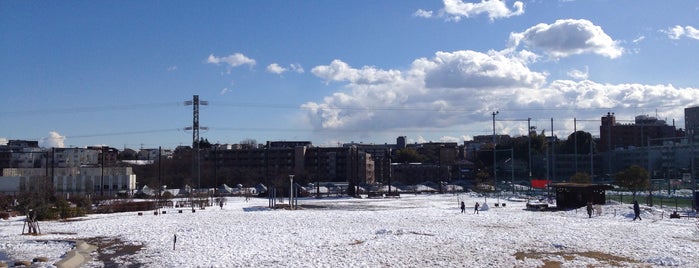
{"x":592,"y":162}
{"x":609,"y":143}
{"x":695,"y":206}
{"x":575,"y":137}
{"x":160,"y":168}
{"x":196,"y":164}
{"x":102,"y":173}
{"x":529,"y":146}
{"x":553,"y":153}
{"x":495,"y":172}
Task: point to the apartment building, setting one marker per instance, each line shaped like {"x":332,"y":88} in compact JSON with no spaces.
{"x":644,"y":131}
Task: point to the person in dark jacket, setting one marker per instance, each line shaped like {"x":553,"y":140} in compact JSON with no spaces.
{"x":475,"y":208}
{"x":463,"y":207}
{"x":636,"y":211}
{"x":589,"y":209}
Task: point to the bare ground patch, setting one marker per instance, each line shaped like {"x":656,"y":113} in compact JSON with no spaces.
{"x":113,"y":252}
{"x":605,"y":259}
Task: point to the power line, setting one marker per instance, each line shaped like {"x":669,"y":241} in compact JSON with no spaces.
{"x":125,"y":133}
{"x":157,"y":105}
{"x":417,"y":108}
{"x":89,"y":109}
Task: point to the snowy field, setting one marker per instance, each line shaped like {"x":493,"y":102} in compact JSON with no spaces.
{"x":410,"y":231}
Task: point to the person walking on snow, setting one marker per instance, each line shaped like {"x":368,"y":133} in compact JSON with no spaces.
{"x":589,"y":209}
{"x":463,"y":207}
{"x":636,"y":211}
{"x":475,"y":208}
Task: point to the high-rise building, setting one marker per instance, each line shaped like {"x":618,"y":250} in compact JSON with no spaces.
{"x":691,"y":122}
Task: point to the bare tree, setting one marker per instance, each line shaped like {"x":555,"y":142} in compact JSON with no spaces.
{"x":248,"y":143}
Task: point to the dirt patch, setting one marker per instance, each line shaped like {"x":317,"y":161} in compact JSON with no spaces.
{"x":113,"y":252}
{"x":356,"y":242}
{"x":552,"y":264}
{"x":73,"y":219}
{"x":605,"y":258}
{"x":63,"y":233}
{"x":416,"y":233}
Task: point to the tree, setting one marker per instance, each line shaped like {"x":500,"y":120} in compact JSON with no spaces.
{"x":580,"y":177}
{"x":248,"y":143}
{"x":204,"y":144}
{"x":584,"y":139}
{"x":409,"y":155}
{"x":635,"y":178}
{"x":482,"y":179}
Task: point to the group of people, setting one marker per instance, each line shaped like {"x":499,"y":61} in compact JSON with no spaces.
{"x":475,"y":208}
{"x":636,"y":210}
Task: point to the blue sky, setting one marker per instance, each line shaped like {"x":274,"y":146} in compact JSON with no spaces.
{"x":117,"y":73}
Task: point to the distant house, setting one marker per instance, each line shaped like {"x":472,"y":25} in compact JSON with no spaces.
{"x":575,"y":195}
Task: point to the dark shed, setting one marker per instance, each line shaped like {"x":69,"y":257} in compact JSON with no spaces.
{"x":575,"y":195}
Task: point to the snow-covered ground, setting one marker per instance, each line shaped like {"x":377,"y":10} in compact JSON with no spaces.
{"x":410,"y":231}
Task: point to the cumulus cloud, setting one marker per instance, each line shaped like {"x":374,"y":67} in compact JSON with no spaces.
{"x":495,"y":9}
{"x":3,"y":141}
{"x":341,"y":71}
{"x":233,"y":60}
{"x":578,"y":74}
{"x":471,"y":69}
{"x":568,"y":37}
{"x":427,"y":93}
{"x":423,"y":13}
{"x":275,"y":68}
{"x":678,"y":32}
{"x":460,"y":89}
{"x":224,"y":91}
{"x":53,"y":140}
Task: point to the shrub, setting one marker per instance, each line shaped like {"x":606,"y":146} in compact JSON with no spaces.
{"x":167,"y":195}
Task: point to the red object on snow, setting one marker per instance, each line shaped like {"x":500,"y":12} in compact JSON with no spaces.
{"x":540,"y":183}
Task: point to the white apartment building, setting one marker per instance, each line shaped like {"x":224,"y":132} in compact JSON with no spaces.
{"x":79,"y":180}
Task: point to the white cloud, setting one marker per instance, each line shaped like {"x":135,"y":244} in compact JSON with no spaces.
{"x":639,"y":39}
{"x":340,"y":71}
{"x":460,"y":89}
{"x":495,"y":9}
{"x":172,"y":68}
{"x":3,"y":141}
{"x":224,"y":91}
{"x":678,"y":32}
{"x":233,"y":60}
{"x":428,"y":93}
{"x":579,"y":74}
{"x":296,"y":68}
{"x":423,"y":13}
{"x":470,"y":69}
{"x":53,"y":140}
{"x":276,"y":68}
{"x":568,"y":37}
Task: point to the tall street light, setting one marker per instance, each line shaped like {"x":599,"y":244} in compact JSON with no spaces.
{"x":529,"y":146}
{"x":291,"y":191}
{"x":495,"y":173}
